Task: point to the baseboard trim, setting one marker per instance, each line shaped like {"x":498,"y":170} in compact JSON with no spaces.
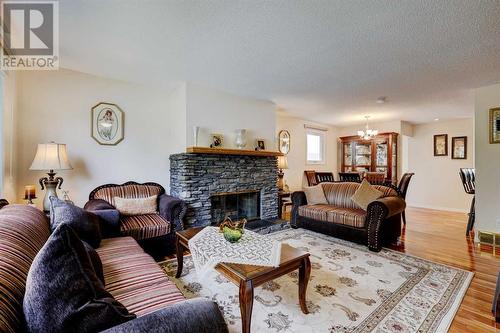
{"x":448,"y":209}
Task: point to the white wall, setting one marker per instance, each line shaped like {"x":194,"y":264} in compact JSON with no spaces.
{"x":55,"y":105}
{"x":219,"y":112}
{"x":436,"y":183}
{"x":9,"y":142}
{"x":177,"y":119}
{"x":294,"y":176}
{"x":487,"y":162}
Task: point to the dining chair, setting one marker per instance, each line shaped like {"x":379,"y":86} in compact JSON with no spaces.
{"x":350,"y":177}
{"x":324,"y":177}
{"x":375,"y":178}
{"x":404,"y":182}
{"x":468,"y":177}
{"x":311,"y":177}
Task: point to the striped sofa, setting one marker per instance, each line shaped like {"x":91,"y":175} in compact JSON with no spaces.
{"x":131,"y":276}
{"x":154,"y":232}
{"x":341,"y":217}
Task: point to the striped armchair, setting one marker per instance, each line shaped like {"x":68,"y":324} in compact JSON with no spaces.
{"x":155,"y":232}
{"x":341,"y":217}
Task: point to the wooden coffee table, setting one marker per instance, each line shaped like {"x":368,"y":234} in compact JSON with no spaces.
{"x":247,"y":277}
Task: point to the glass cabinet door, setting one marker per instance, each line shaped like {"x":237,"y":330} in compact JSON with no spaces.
{"x":348,"y":156}
{"x":381,"y":159}
{"x":394,"y":159}
{"x":362,"y":156}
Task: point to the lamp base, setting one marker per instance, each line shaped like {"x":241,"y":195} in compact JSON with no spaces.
{"x":281,"y":184}
{"x":50,"y":184}
{"x":50,"y":191}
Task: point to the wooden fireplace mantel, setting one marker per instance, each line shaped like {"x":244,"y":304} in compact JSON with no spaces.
{"x":224,"y":151}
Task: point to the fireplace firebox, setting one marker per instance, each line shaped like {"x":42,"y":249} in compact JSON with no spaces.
{"x":235,"y":205}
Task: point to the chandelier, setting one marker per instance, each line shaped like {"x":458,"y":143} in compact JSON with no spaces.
{"x":367,"y":133}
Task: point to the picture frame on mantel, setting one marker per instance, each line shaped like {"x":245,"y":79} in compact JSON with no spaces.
{"x":441,"y":145}
{"x":495,"y":125}
{"x":459,"y":147}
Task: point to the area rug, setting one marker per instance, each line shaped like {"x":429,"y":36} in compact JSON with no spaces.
{"x":350,"y":290}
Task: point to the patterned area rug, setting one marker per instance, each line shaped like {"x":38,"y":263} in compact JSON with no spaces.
{"x":351,"y":290}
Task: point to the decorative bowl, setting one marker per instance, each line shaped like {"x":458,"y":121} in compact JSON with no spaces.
{"x":232,"y":235}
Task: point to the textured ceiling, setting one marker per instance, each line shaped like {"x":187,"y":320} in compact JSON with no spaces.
{"x":323,"y":60}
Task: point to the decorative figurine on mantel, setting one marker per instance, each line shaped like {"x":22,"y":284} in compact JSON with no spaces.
{"x":50,"y":156}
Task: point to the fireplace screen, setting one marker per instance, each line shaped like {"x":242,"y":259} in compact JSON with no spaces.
{"x":235,"y":206}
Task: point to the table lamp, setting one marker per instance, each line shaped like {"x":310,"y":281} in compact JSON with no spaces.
{"x":282,"y":164}
{"x":50,"y":156}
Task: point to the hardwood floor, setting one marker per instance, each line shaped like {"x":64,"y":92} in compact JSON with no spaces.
{"x":440,"y":236}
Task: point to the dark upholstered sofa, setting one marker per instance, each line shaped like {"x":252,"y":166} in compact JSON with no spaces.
{"x":131,"y":276}
{"x":154,"y":232}
{"x":380,"y":224}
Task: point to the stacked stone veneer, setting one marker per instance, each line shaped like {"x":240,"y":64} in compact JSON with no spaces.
{"x":196,"y":177}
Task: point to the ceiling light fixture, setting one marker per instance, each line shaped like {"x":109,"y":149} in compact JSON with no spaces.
{"x":381,"y":100}
{"x":436,"y":119}
{"x":368,"y":133}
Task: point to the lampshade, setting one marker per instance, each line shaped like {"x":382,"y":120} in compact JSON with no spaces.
{"x":282,"y":162}
{"x":51,"y":156}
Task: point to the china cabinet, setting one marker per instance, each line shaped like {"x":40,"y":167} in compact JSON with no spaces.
{"x":376,"y":155}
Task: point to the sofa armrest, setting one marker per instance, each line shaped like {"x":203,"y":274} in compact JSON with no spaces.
{"x":395,"y":205}
{"x":173,"y":209}
{"x":378,"y":211}
{"x":195,"y":315}
{"x":109,"y":217}
{"x":298,"y":199}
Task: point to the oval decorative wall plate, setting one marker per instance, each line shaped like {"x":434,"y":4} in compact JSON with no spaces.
{"x":107,"y":126}
{"x":284,"y":141}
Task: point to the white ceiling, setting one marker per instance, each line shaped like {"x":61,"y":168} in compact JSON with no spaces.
{"x":326,"y":60}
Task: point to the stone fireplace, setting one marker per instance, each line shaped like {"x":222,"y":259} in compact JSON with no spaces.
{"x":218,"y":185}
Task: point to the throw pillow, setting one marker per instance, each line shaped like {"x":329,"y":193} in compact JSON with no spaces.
{"x":84,"y":223}
{"x":315,"y":195}
{"x":136,"y":206}
{"x":95,"y":260}
{"x":63,"y":293}
{"x":365,"y":194}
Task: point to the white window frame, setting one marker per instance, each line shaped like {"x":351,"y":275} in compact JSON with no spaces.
{"x":322,"y":136}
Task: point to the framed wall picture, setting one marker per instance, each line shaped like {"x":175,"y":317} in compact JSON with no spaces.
{"x":107,"y":126}
{"x":459,"y":147}
{"x":284,"y":141}
{"x":495,"y":125}
{"x":441,"y":145}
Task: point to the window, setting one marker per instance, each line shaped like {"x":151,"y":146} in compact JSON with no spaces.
{"x":315,"y":146}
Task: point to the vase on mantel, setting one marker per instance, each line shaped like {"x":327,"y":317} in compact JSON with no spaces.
{"x":196,"y":130}
{"x":241,"y":140}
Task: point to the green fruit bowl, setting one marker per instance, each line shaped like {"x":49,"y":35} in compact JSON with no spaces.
{"x":232,"y":235}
